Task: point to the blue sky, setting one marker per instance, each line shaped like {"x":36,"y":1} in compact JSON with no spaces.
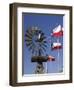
{"x":46,"y":23}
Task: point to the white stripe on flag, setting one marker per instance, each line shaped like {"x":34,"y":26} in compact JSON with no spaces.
{"x":56,"y":44}
{"x":57,"y":29}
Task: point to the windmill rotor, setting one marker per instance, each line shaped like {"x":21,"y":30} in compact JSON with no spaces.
{"x":35,"y":40}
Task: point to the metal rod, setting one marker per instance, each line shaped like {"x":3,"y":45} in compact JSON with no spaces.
{"x":58,"y":54}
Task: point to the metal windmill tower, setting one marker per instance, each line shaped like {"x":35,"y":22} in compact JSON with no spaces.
{"x":35,"y":41}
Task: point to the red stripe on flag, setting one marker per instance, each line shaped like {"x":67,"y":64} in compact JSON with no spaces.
{"x":58,"y":34}
{"x":56,"y":47}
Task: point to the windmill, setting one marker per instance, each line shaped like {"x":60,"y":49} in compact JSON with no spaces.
{"x":36,"y":43}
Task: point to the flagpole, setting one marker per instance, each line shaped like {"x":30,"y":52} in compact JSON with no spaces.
{"x":58,"y":54}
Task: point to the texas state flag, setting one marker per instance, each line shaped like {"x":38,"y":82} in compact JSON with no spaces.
{"x":57,"y":31}
{"x":56,"y":45}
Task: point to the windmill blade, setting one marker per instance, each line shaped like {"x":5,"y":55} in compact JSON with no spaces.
{"x":44,"y":45}
{"x":33,"y":50}
{"x":29,"y":31}
{"x":26,"y":35}
{"x":36,"y":51}
{"x":43,"y":37}
{"x":28,"y":43}
{"x":44,"y":41}
{"x":42,"y":33}
{"x":31,"y":47}
{"x":43,"y":48}
{"x":28,"y":40}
